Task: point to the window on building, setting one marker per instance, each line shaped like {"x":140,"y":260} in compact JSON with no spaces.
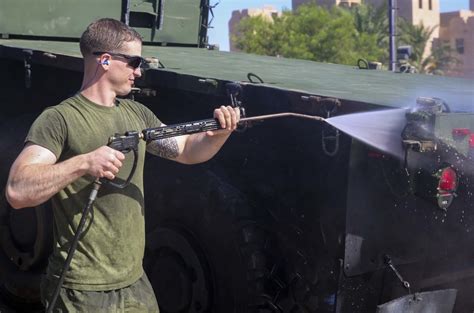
{"x":430,"y":5}
{"x":420,"y":4}
{"x":460,"y":45}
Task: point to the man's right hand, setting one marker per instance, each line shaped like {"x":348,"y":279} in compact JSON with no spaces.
{"x":104,"y":162}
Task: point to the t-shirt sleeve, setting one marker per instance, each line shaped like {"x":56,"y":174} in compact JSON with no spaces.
{"x":49,"y":131}
{"x":150,"y":118}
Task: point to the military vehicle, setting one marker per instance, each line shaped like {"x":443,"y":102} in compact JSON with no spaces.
{"x":292,"y":215}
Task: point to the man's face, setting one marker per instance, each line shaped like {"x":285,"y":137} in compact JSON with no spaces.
{"x":121,"y":74}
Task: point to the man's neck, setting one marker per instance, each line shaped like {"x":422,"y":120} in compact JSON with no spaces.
{"x":98,"y":95}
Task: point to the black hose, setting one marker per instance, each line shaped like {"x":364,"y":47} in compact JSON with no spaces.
{"x":73,"y":247}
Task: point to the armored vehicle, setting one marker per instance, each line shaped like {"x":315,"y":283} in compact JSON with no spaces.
{"x":292,"y":215}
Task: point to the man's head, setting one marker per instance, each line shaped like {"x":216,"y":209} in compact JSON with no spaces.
{"x":112,"y":55}
{"x":106,"y":34}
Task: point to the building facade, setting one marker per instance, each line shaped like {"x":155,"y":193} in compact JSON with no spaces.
{"x":267,"y":12}
{"x":457,"y":31}
{"x":327,"y":3}
{"x":416,"y":12}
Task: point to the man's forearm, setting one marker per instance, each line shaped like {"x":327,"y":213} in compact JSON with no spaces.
{"x":196,"y":148}
{"x":34,"y":184}
{"x":200,"y":147}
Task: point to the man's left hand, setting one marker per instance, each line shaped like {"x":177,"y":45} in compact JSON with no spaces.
{"x":228,"y":118}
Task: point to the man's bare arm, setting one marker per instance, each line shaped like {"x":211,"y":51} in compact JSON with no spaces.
{"x":189,"y":149}
{"x":167,"y":148}
{"x":35,"y":176}
{"x":197,"y":148}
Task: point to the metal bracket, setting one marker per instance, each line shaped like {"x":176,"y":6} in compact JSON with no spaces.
{"x":405,"y":283}
{"x":235,"y":91}
{"x":126,"y":13}
{"x":27,"y":55}
{"x":330,"y":133}
{"x":421,"y":145}
{"x":251,"y":76}
{"x":209,"y":81}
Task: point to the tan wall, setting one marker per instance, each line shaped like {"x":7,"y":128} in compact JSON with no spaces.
{"x":460,"y":26}
{"x":429,"y":17}
{"x":326,"y":3}
{"x":236,"y":17}
{"x":410,"y":10}
{"x":348,"y":3}
{"x":267,"y":12}
{"x":405,"y":7}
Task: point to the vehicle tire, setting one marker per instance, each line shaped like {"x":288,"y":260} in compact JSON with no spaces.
{"x":24,"y":253}
{"x":209,"y":251}
{"x":205,"y":253}
{"x":25,"y":235}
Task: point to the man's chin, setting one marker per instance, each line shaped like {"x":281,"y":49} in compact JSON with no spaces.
{"x":124,"y":92}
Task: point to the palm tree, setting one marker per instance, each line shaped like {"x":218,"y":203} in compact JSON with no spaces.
{"x":439,"y":58}
{"x":373,"y":21}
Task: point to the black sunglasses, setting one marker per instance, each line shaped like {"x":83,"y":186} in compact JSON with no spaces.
{"x":134,"y":61}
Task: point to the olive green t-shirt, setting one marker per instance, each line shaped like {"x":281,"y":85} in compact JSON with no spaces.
{"x":109,"y":254}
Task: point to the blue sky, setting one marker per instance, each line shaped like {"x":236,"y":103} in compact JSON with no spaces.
{"x":220,"y":33}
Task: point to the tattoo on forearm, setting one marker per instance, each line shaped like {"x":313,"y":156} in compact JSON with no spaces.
{"x":165,"y":148}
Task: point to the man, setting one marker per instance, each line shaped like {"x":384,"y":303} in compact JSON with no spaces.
{"x":65,"y":152}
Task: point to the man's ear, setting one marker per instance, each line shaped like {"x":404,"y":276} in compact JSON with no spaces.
{"x":104,"y":60}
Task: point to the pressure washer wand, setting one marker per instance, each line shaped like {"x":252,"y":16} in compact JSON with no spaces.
{"x":129,"y":142}
{"x":168,"y":131}
{"x":277,"y":115}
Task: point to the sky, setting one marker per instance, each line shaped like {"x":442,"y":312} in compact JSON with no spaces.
{"x":219,"y":34}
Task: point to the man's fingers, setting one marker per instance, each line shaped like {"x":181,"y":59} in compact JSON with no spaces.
{"x":228,"y":117}
{"x":115,"y":161}
{"x":112,"y":168}
{"x":106,"y":174}
{"x":119,"y":155}
{"x":235,"y":117}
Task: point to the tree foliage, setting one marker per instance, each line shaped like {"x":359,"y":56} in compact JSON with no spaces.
{"x":312,"y":33}
{"x":341,"y":36}
{"x":374,"y":21}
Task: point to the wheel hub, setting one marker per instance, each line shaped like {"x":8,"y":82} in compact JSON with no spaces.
{"x":178,"y":271}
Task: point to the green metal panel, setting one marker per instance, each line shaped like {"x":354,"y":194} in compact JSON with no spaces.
{"x":53,"y":18}
{"x":445,"y":124}
{"x":180,"y":22}
{"x":167,"y":22}
{"x":330,"y":80}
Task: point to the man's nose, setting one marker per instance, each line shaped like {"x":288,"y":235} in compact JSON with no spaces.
{"x":137,"y":72}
